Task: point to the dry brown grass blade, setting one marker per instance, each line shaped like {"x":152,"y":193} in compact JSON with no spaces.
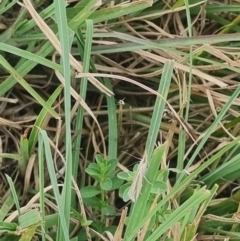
{"x":128,"y":4}
{"x":146,"y":88}
{"x":27,"y":174}
{"x":184,"y":68}
{"x":8,"y":100}
{"x":219,"y":54}
{"x":213,"y":108}
{"x":78,"y":98}
{"x":221,"y":98}
{"x":57,"y":45}
{"x":221,"y":219}
{"x":175,"y":230}
{"x":168,"y":11}
{"x":31,"y":204}
{"x":92,"y":137}
{"x":218,"y":97}
{"x":100,"y":235}
{"x":83,"y":213}
{"x":144,"y":229}
{"x":119,"y":232}
{"x":8,"y":123}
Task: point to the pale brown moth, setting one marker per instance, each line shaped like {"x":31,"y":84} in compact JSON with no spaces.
{"x":135,"y":188}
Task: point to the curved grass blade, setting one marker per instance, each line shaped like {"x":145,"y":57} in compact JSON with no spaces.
{"x":42,"y":119}
{"x":26,"y":86}
{"x":210,"y":130}
{"x":179,"y":188}
{"x":14,"y":194}
{"x":44,"y":144}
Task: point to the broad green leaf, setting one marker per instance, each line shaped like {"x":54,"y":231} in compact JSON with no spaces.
{"x":116,"y":183}
{"x":108,"y":210}
{"x":106,"y":184}
{"x":90,"y":191}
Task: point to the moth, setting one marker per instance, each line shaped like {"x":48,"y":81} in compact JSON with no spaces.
{"x":135,"y":188}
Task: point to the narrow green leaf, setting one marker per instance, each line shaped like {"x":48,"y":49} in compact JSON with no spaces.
{"x":44,"y":143}
{"x":195,"y":200}
{"x":14,"y":194}
{"x":42,"y":119}
{"x":26,"y":86}
{"x":24,"y":150}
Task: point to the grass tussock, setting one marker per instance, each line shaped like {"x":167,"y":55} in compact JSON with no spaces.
{"x":119,"y":120}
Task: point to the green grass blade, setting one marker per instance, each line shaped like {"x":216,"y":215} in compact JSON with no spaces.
{"x":118,"y":11}
{"x":182,"y":135}
{"x":7,"y":7}
{"x":86,"y":55}
{"x":176,"y":216}
{"x":44,"y":144}
{"x":45,"y":50}
{"x":61,"y":17}
{"x":112,"y":123}
{"x":159,"y":107}
{"x":227,"y":171}
{"x":181,"y":186}
{"x":14,"y":194}
{"x":139,"y":209}
{"x":6,"y":35}
{"x":210,"y":130}
{"x":6,"y":206}
{"x":42,"y":119}
{"x":24,"y":152}
{"x":26,"y":86}
{"x":166,"y":44}
{"x":89,"y":7}
{"x":41,"y":189}
{"x":30,"y":56}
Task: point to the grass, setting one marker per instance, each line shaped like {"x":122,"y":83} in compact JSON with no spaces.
{"x":119,"y":120}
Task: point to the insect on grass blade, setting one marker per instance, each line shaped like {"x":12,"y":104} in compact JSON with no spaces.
{"x":135,"y":188}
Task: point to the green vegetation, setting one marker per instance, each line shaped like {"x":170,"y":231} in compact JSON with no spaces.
{"x":119,"y":120}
